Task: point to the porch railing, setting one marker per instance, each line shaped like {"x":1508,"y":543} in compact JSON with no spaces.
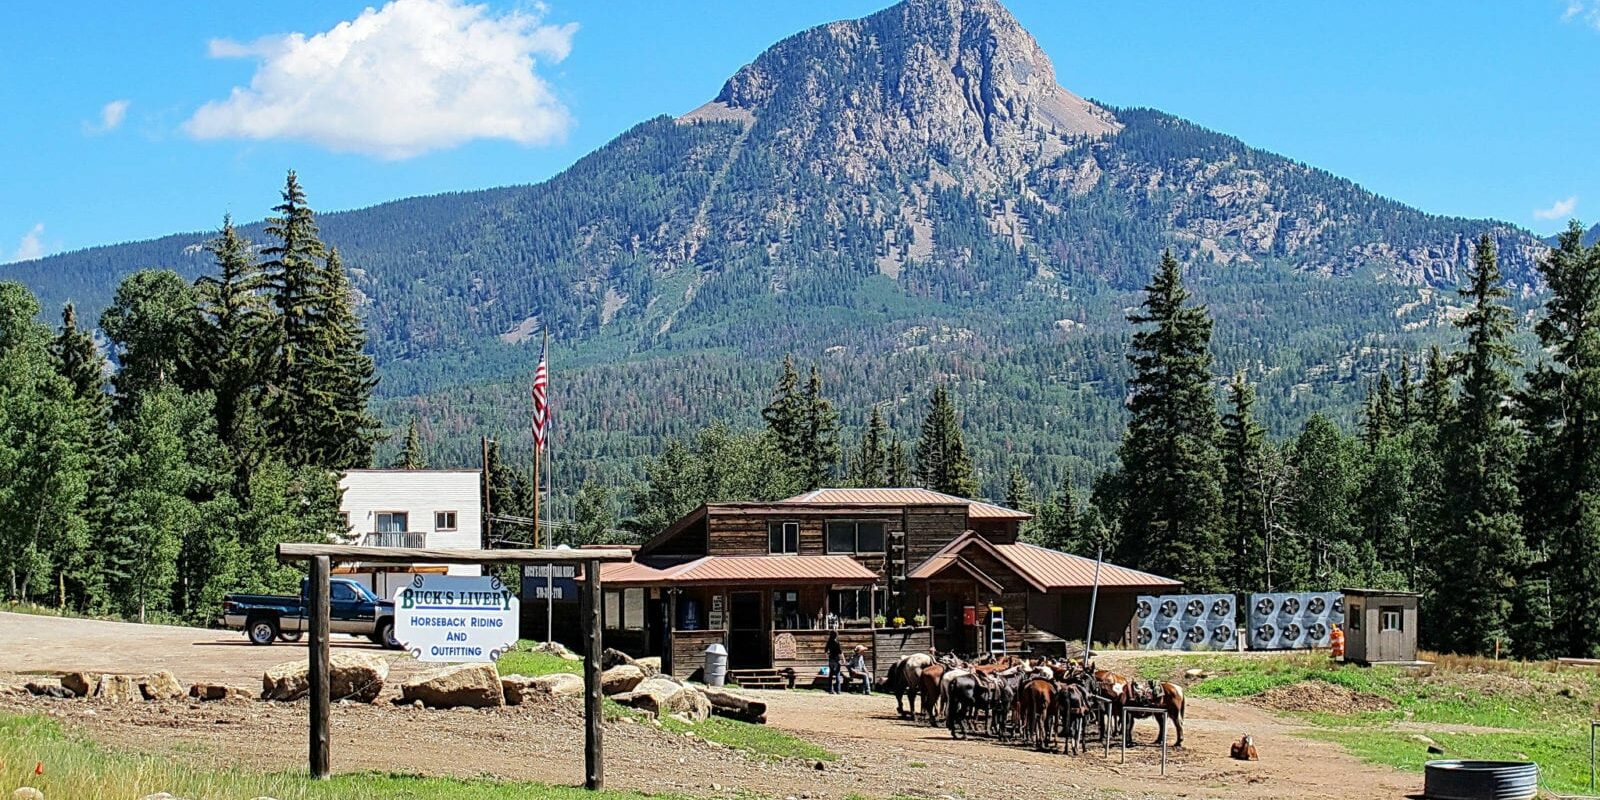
{"x":412,"y":539}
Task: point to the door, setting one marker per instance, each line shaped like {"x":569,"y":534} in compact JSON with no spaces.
{"x":749,"y":646}
{"x":348,"y":610}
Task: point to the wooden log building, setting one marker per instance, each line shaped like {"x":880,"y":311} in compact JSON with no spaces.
{"x":769,"y":581}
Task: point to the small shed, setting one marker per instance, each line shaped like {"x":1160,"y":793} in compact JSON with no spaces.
{"x":1380,"y":626}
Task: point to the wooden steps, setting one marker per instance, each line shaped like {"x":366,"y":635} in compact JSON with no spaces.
{"x":758,"y":678}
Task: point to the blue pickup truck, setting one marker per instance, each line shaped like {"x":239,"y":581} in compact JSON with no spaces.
{"x":352,"y":609}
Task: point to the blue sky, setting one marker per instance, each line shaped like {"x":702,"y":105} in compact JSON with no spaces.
{"x":123,"y":121}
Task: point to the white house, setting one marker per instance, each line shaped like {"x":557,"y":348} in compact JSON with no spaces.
{"x":425,"y":508}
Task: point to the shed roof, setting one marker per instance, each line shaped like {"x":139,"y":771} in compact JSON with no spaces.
{"x":976,"y":509}
{"x":1045,"y":569}
{"x":719,"y":570}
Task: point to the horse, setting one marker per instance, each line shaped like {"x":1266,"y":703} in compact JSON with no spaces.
{"x":1071,"y":703}
{"x":905,"y":681}
{"x":1125,"y":693}
{"x":1033,"y":711}
{"x":964,"y":694}
{"x":1004,"y":697}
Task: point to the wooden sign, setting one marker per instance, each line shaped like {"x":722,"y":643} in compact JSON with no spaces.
{"x":783,"y":647}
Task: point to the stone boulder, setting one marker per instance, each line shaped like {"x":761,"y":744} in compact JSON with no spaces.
{"x":554,"y":649}
{"x":208,"y":692}
{"x":161,"y":685}
{"x":516,"y":688}
{"x":118,"y":689}
{"x":651,"y":665}
{"x":47,"y":688}
{"x":560,"y":684}
{"x":357,"y":677}
{"x":473,"y":685}
{"x":351,"y":676}
{"x":27,"y":793}
{"x":620,"y":678}
{"x":661,"y":695}
{"x":81,"y":684}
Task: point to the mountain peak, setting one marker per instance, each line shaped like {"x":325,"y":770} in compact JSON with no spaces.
{"x":956,"y":77}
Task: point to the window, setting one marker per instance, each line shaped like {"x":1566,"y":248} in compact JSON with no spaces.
{"x":783,"y":537}
{"x":342,"y":593}
{"x":623,"y":609}
{"x":786,"y":610}
{"x":1389,"y":618}
{"x":850,"y":605}
{"x":939,"y":614}
{"x":444,"y":520}
{"x":855,"y":537}
{"x":393,"y":522}
{"x":1354,"y":618}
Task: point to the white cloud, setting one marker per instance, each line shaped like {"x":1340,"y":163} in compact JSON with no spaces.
{"x":32,"y":244}
{"x":111,"y":116}
{"x":1557,"y":210}
{"x":1587,"y":11}
{"x":412,"y":76}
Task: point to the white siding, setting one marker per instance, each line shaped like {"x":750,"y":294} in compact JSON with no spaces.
{"x":419,"y":493}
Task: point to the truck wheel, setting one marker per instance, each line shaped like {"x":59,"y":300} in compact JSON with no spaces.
{"x":290,"y":636}
{"x":385,"y":635}
{"x":262,"y":630}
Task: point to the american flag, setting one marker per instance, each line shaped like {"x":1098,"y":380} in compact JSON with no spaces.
{"x":541,"y":403}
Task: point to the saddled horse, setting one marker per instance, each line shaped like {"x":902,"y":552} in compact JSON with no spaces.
{"x":1033,"y":711}
{"x":1071,"y":707}
{"x":1130,"y":694}
{"x":964,"y":694}
{"x":905,"y":681}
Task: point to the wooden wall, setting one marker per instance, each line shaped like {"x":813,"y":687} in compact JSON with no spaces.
{"x":688,"y":650}
{"x":892,"y":644}
{"x":811,"y":649}
{"x":997,"y":531}
{"x":929,"y":528}
{"x":741,"y":534}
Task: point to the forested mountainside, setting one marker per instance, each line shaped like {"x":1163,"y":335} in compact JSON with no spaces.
{"x":909,"y":198}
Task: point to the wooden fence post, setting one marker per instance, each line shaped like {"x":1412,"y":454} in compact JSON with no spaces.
{"x":593,"y":715}
{"x":317,"y":591}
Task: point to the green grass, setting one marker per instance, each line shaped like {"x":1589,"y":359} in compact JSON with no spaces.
{"x":1528,"y":711}
{"x":523,"y":661}
{"x":758,"y":741}
{"x":78,"y":769}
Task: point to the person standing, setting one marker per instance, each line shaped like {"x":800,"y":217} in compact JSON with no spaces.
{"x":835,"y":656}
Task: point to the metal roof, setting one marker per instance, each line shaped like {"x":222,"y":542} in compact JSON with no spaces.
{"x":976,"y":509}
{"x":1058,"y":570}
{"x":716,"y":570}
{"x":1045,"y":569}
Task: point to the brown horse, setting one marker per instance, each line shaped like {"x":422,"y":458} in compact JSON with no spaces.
{"x":1127,"y":693}
{"x":1033,"y":703}
{"x":930,"y":678}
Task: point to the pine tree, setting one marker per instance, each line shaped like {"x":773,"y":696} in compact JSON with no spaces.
{"x":1019,"y":492}
{"x":1379,"y":412}
{"x":1172,"y":474}
{"x":1481,"y":552}
{"x":343,"y":375}
{"x":232,"y":348}
{"x":897,"y":469}
{"x":943,"y":464}
{"x":1405,"y":394}
{"x":819,"y":446}
{"x":1059,"y":526}
{"x":78,"y":360}
{"x":870,"y":468}
{"x":412,"y":456}
{"x":1437,"y":393}
{"x":786,"y":414}
{"x":1242,"y":442}
{"x":1561,"y":489}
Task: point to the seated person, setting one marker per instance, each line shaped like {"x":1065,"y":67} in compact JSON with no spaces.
{"x":858,"y":668}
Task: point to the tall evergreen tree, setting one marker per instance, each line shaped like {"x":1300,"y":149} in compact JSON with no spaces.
{"x":785,"y":415}
{"x":232,"y":349}
{"x":943,"y":464}
{"x":1405,"y":393}
{"x":1437,"y":392}
{"x":1058,"y":525}
{"x":897,"y":466}
{"x":1379,"y":412}
{"x":1172,"y":471}
{"x":870,"y":468}
{"x":412,"y":457}
{"x":152,"y":323}
{"x":819,"y":446}
{"x":1019,"y":492}
{"x":1481,"y":552}
{"x":344,"y":374}
{"x":1242,"y":442}
{"x":78,"y":360}
{"x":1561,"y":490}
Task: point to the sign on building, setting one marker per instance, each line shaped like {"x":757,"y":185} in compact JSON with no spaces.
{"x":556,"y":581}
{"x":454,"y":618}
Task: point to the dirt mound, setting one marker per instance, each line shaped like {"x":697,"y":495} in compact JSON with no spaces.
{"x":1320,"y":696}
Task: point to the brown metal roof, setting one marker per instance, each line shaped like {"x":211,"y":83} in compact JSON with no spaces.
{"x":1058,"y":570}
{"x":908,"y":497}
{"x":716,"y":570}
{"x":1045,"y":569}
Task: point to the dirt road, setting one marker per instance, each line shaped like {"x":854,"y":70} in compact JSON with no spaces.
{"x":880,"y":755}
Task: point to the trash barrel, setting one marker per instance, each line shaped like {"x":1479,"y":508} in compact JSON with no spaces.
{"x":716,"y":671}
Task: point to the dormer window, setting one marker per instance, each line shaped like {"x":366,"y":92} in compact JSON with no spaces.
{"x":783,"y":538}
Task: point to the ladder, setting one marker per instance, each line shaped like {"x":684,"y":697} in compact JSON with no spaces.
{"x":997,"y":631}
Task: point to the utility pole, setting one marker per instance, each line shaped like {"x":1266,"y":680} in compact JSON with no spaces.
{"x":488,"y":497}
